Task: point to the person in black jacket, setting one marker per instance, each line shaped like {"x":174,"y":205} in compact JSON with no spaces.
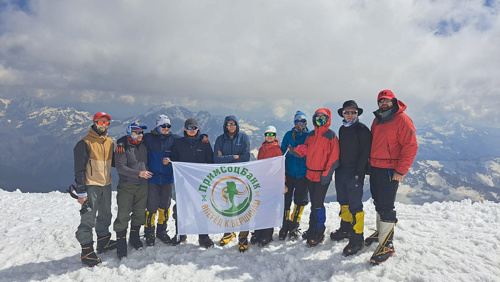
{"x":355,"y":144}
{"x":191,"y":148}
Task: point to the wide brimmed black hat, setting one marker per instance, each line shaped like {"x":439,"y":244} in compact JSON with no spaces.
{"x":349,"y":104}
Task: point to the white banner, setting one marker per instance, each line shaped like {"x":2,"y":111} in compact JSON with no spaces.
{"x":229,"y":197}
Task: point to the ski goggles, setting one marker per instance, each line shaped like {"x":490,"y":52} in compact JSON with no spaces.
{"x":101,"y":122}
{"x":320,"y":120}
{"x":269,"y":134}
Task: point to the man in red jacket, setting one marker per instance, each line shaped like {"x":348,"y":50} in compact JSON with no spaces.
{"x":394,"y":146}
{"x":322,"y":150}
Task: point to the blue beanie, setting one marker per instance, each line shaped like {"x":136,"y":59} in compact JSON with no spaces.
{"x":299,"y":115}
{"x":134,"y":126}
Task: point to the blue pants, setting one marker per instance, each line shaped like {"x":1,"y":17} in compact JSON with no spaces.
{"x":159,"y":196}
{"x":349,"y":190}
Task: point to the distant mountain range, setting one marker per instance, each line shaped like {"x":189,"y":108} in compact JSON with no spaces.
{"x":36,"y":153}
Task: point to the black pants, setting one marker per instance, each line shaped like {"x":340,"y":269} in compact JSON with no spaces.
{"x":384,"y":189}
{"x":317,"y":193}
{"x":297,"y":188}
{"x":349,"y":190}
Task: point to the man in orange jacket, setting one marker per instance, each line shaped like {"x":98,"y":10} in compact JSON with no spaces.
{"x":394,"y":147}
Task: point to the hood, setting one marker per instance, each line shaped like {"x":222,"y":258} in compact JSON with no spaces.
{"x":230,"y":118}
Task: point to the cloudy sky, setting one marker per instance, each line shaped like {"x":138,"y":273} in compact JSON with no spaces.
{"x":268,"y":58}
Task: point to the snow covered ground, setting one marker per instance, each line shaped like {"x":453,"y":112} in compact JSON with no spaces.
{"x":450,"y":241}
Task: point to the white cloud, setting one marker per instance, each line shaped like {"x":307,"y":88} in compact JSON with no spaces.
{"x":128,"y":99}
{"x":226,"y":55}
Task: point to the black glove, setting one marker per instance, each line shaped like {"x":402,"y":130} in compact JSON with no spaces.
{"x":325,"y":180}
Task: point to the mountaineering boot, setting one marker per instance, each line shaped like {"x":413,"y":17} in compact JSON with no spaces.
{"x":345,"y":225}
{"x":265,"y":241}
{"x":161,"y":233}
{"x":161,"y":228}
{"x":374,"y":237}
{"x":284,"y":228}
{"x":149,"y":228}
{"x":293,"y":233}
{"x":314,"y":239}
{"x":178,"y":239}
{"x":293,"y":227}
{"x":254,"y":239}
{"x":343,"y":232}
{"x":317,"y":234}
{"x":355,"y":244}
{"x":242,"y":244}
{"x":306,"y":233}
{"x":385,"y":248}
{"x":88,"y":256}
{"x":205,"y":241}
{"x":121,"y":244}
{"x":226,"y":238}
{"x":356,"y":241}
{"x":105,"y":244}
{"x":135,"y":239}
{"x":266,"y":236}
{"x":149,"y":233}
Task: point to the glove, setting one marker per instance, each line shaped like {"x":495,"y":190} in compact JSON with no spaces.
{"x":301,"y":150}
{"x":119,"y":148}
{"x":325,"y":180}
{"x":204,"y":138}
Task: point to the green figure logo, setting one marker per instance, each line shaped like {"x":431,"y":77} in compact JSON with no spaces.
{"x":233,"y":199}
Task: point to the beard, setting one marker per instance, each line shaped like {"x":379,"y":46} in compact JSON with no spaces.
{"x":385,"y":107}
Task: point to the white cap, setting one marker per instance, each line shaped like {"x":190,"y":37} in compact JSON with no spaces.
{"x":270,"y":129}
{"x":162,"y":119}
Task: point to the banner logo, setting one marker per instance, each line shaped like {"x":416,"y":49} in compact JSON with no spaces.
{"x":232,"y":195}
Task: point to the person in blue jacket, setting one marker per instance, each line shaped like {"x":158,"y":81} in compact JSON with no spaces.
{"x":232,"y":147}
{"x":295,"y":172}
{"x":159,"y":142}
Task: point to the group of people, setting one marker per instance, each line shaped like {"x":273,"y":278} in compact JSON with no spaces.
{"x":145,"y":187}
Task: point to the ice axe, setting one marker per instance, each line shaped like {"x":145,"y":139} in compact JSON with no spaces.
{"x":86,"y":206}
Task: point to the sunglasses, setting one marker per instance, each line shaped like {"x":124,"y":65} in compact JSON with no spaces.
{"x":138,"y":132}
{"x":231,"y":124}
{"x":191,"y":127}
{"x":384,"y":100}
{"x":350,"y":112}
{"x":100,"y":122}
{"x":269,"y":134}
{"x":166,"y":125}
{"x":300,"y":120}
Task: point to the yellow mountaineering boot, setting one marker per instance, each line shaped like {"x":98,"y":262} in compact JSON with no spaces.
{"x":356,"y":241}
{"x":149,"y":228}
{"x":294,"y":223}
{"x":226,"y":238}
{"x":345,"y":225}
